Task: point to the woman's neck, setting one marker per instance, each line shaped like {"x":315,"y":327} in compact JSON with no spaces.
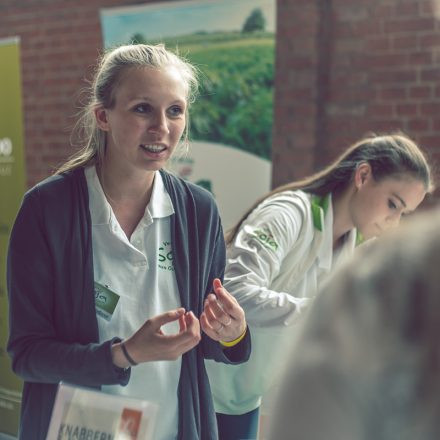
{"x":120,"y":186}
{"x":127,"y":194}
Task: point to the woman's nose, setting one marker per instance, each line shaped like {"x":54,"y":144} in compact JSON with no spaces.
{"x":394,"y":220}
{"x":159,"y":123}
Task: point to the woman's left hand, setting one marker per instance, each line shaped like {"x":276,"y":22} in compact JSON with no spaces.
{"x":222,"y":318}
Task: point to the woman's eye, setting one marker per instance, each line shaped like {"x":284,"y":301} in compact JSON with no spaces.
{"x":175,"y":110}
{"x":391,"y":204}
{"x":142,"y":108}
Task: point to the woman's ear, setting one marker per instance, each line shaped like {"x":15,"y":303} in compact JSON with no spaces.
{"x":101,"y":118}
{"x":362,"y":174}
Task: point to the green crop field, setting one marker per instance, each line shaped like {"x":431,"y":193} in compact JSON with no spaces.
{"x":235,"y":106}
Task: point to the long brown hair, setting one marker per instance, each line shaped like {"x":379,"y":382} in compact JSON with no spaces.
{"x":108,"y":74}
{"x":388,"y":155}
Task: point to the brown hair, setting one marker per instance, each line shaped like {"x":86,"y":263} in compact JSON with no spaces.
{"x":388,"y":155}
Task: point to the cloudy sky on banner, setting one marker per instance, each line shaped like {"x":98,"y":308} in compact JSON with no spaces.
{"x":161,"y":20}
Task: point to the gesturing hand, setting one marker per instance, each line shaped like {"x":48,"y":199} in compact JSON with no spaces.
{"x":149,"y":343}
{"x":222,"y":318}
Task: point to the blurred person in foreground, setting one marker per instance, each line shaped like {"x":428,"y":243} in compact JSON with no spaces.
{"x":367,"y":362}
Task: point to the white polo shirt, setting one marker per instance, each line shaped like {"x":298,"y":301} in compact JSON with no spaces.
{"x":140,"y":271}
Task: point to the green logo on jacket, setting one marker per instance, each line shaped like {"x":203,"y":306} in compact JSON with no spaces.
{"x":265,"y":238}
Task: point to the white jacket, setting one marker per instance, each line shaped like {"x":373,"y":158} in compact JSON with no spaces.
{"x":280,"y":256}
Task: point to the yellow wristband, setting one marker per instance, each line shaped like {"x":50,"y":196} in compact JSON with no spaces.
{"x":235,"y":341}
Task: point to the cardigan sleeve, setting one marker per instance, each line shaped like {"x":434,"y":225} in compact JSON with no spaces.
{"x":43,"y":343}
{"x":213,"y":349}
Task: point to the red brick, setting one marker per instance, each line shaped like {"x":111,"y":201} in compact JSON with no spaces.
{"x":409,"y":8}
{"x":436,"y":124}
{"x":381,"y":60}
{"x":419,"y":125}
{"x":393,"y":94}
{"x":430,"y":108}
{"x":406,"y":109}
{"x":394,"y":76}
{"x":410,"y":25}
{"x":430,"y":39}
{"x":430,"y":74}
{"x":420,"y":58}
{"x":382,"y":110}
{"x":422,"y":92}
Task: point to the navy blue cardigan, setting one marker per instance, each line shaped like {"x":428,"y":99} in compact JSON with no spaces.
{"x":52,"y":320}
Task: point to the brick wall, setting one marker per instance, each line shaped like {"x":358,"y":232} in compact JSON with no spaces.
{"x":372,"y":66}
{"x":343,"y":68}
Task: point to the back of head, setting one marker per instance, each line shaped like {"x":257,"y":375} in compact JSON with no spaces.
{"x":366,"y":365}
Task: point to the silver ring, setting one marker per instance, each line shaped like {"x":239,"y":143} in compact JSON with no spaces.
{"x":220,"y":328}
{"x":228,"y":323}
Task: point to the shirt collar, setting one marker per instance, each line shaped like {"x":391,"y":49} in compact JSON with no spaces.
{"x":100,"y":209}
{"x":160,"y":204}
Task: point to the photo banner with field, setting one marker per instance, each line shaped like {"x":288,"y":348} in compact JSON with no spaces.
{"x":12,"y":187}
{"x":232,"y":43}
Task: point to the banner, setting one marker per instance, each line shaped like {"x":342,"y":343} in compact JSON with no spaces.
{"x":232,"y":43}
{"x":12,"y":187}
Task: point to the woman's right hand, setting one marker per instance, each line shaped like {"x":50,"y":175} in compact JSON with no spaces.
{"x":149,"y":343}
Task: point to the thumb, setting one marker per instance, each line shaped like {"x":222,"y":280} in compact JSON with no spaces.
{"x":217,"y":284}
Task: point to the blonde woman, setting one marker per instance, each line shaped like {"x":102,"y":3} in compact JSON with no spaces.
{"x":113,"y":227}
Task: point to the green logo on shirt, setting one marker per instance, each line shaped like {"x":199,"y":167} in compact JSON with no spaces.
{"x":266,"y":238}
{"x":165,"y":259}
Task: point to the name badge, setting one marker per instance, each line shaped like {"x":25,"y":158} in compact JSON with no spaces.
{"x":105,"y":301}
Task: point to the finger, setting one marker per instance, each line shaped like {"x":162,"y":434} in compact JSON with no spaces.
{"x":191,"y":321}
{"x":207,"y":328}
{"x":212,"y":318}
{"x":182,"y":323}
{"x":217,"y":310}
{"x":216,"y":284}
{"x":192,"y":333}
{"x":170,"y":316}
{"x":229,"y":303}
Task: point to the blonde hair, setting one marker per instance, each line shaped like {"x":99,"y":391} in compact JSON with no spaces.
{"x":388,"y":155}
{"x":107,"y":78}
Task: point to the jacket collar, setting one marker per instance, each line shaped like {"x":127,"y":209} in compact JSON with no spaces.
{"x":322,"y":215}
